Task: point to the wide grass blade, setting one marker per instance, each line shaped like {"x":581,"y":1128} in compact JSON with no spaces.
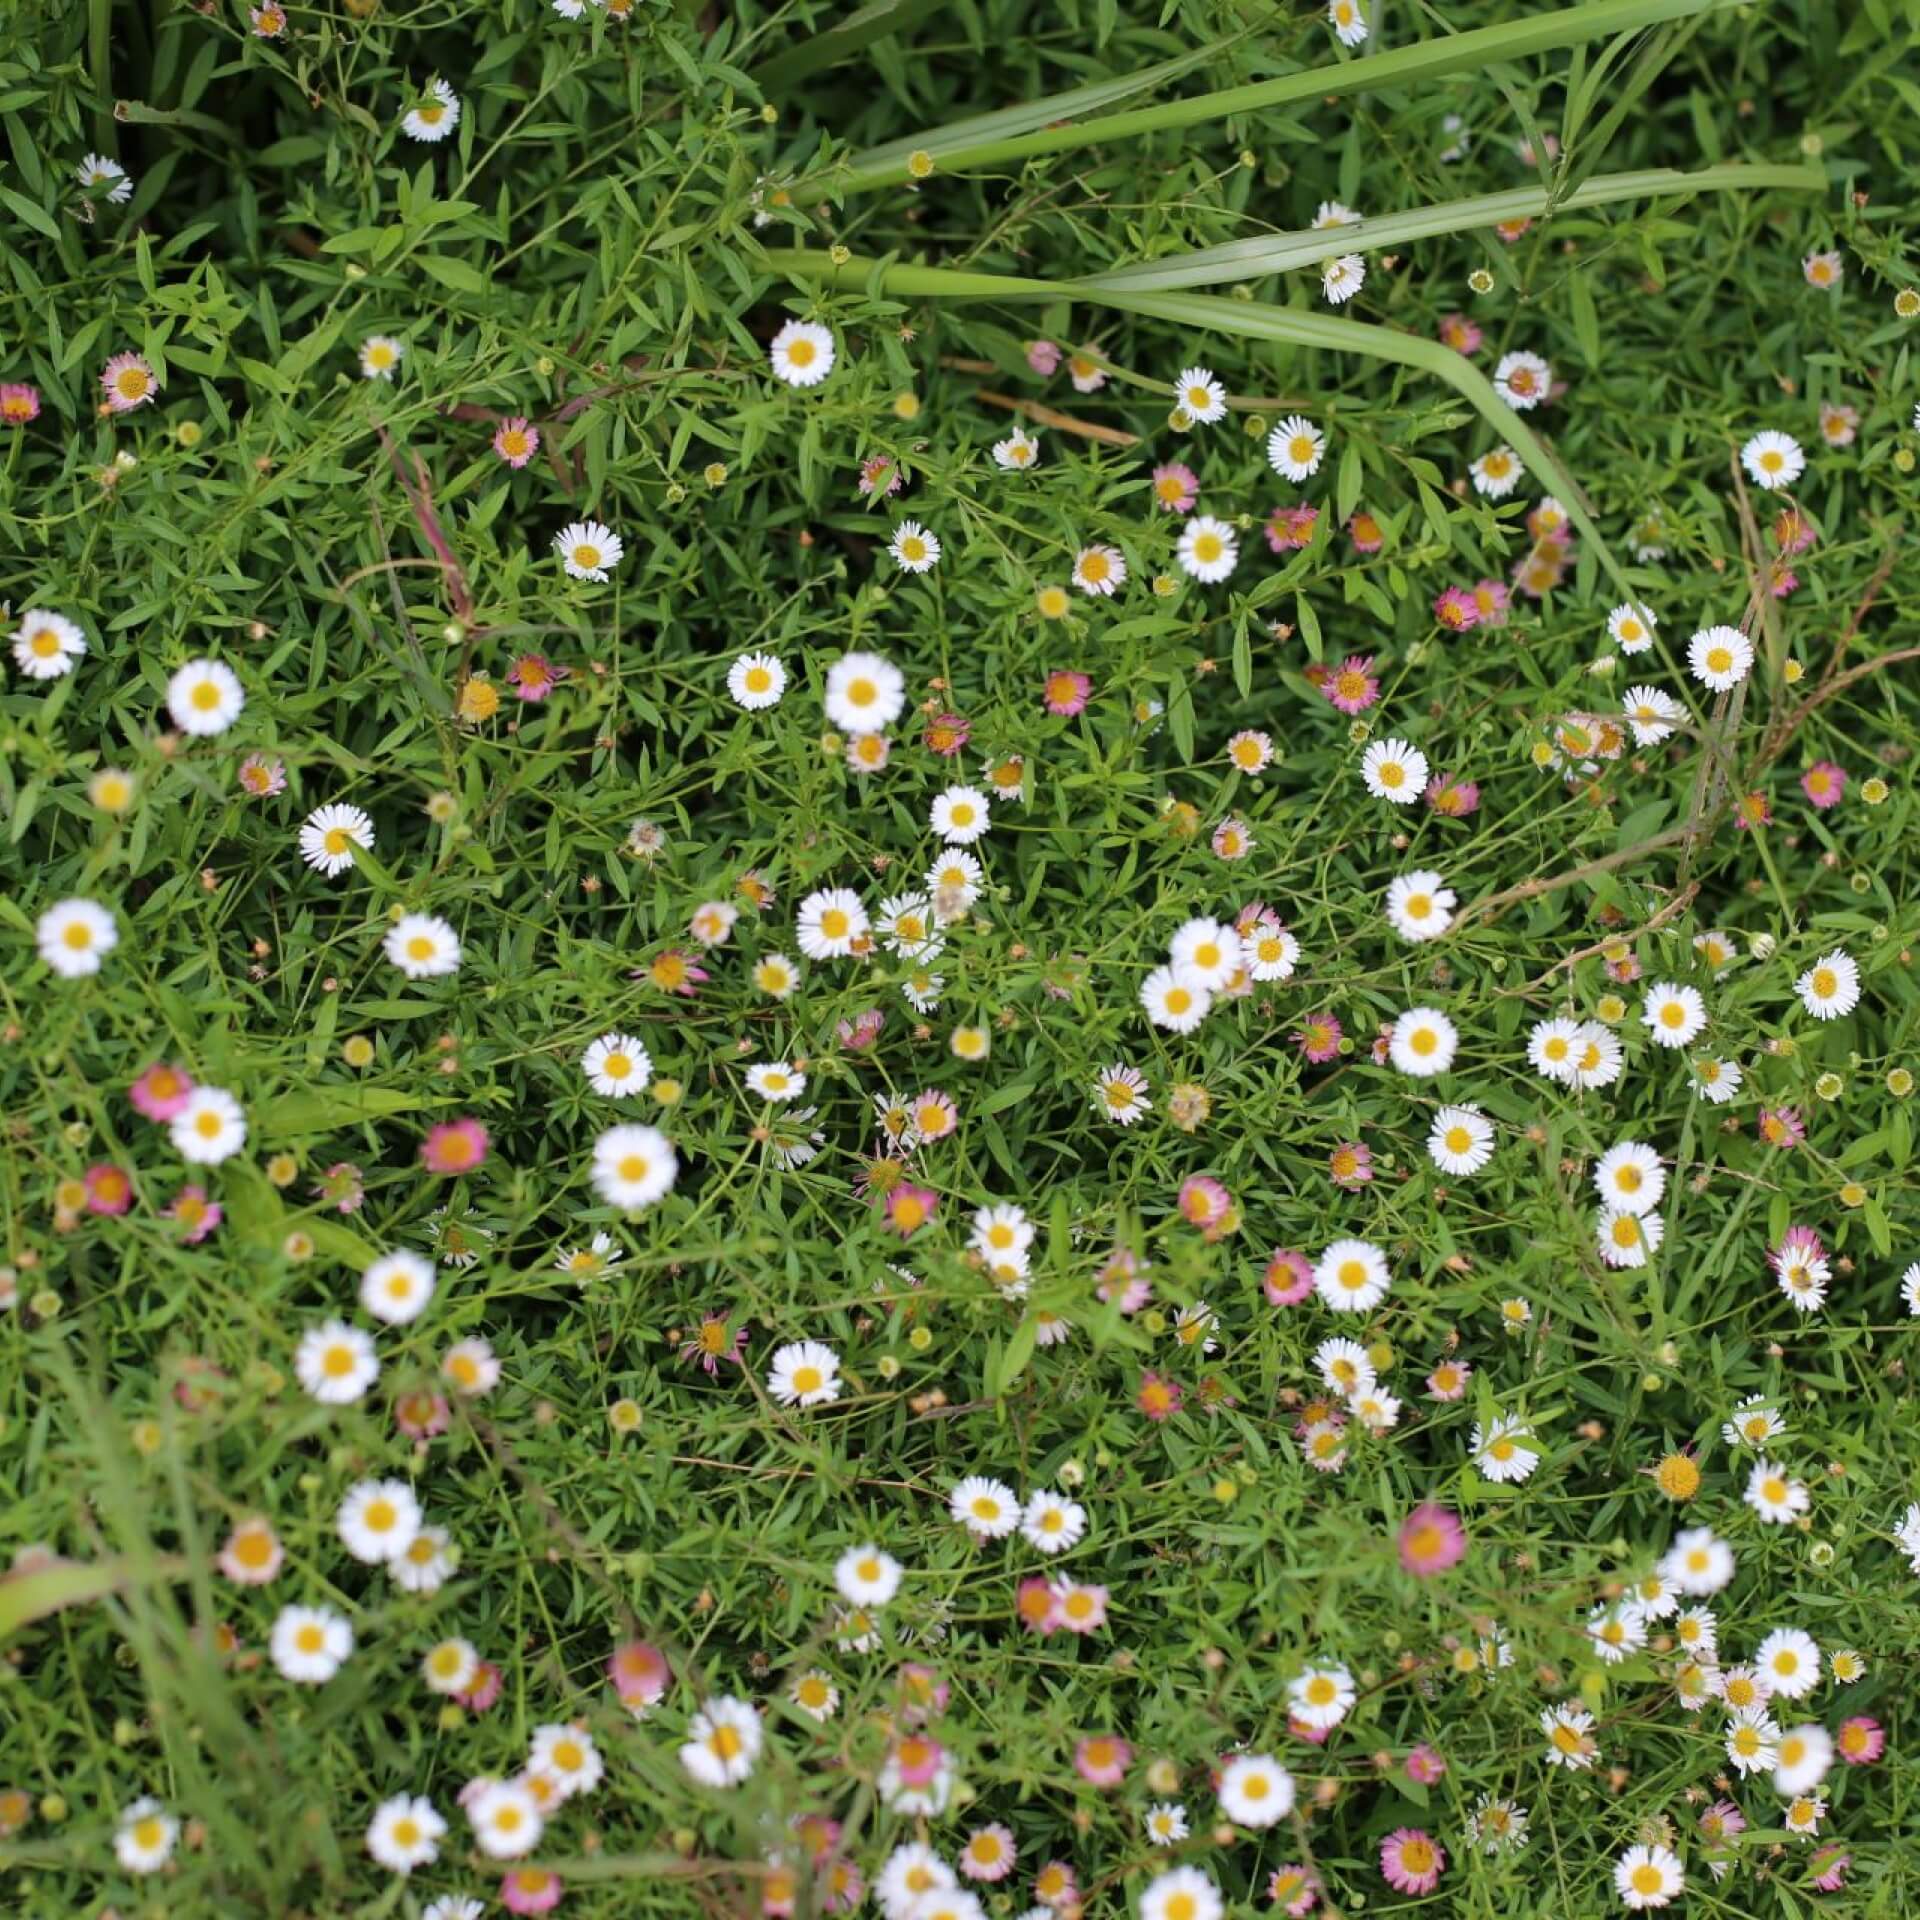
{"x":996,"y":139}
{"x":984,"y":129}
{"x":854,"y":34}
{"x":1283,"y":252}
{"x":1210,"y":313}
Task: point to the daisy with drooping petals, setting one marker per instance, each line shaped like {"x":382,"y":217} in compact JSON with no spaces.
{"x":1017,"y":452}
{"x":1343,"y":276}
{"x":1348,"y":22}
{"x":1651,"y":714}
{"x":802,"y":353}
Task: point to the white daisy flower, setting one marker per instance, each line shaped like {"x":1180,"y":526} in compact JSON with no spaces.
{"x":1651,"y":714}
{"x":1773,"y":460}
{"x":377,"y":1520}
{"x":1200,"y":396}
{"x":1523,"y":380}
{"x":1295,"y":448}
{"x":47,"y":645}
{"x":1255,"y":1790}
{"x":1348,"y":22}
{"x":1628,"y":1239}
{"x":802,"y":353}
{"x":436,"y":116}
{"x":633,"y":1167}
{"x":1205,"y":953}
{"x":380,"y":356}
{"x":1394,"y":770}
{"x":1424,"y":1042}
{"x":864,"y":693}
{"x":914,"y":549}
{"x":1208,"y":551}
{"x":204,"y":698}
{"x":1720,"y":657}
{"x":74,"y":936}
{"x":422,"y":946}
{"x":1673,"y":1015}
{"x":1100,"y":571}
{"x":831,"y":924}
{"x":210,"y":1128}
{"x":775,"y":1081}
{"x":1420,"y":905}
{"x":1342,"y":277}
{"x":756,"y":681}
{"x":1173,"y":1000}
{"x":1496,"y":473}
{"x":1629,"y":1177}
{"x":1461,"y":1141}
{"x":96,"y":170}
{"x":335,"y":1363}
{"x":987,"y":1508}
{"x":1352,"y":1276}
{"x":1830,"y":987}
{"x":144,"y":1839}
{"x":616,"y":1065}
{"x":960,"y":815}
{"x":1631,"y":628}
{"x":1017,"y":452}
{"x":397,"y":1287}
{"x":805,"y":1373}
{"x":309,"y":1645}
{"x":330,"y":834}
{"x":587,"y":548}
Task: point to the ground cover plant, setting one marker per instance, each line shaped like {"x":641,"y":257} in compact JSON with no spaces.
{"x":958,"y":960}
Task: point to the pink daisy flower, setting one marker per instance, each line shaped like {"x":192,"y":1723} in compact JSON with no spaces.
{"x":1752,"y":810}
{"x":1288,"y":1278}
{"x":533,"y":676}
{"x":882,"y":474}
{"x":343,"y":1187}
{"x":922,"y":1691}
{"x":1122,"y":1279}
{"x":516,"y":440}
{"x":1079,"y":1608}
{"x":639,"y":1673}
{"x":455,"y":1146}
{"x":1828,"y":1869}
{"x":715,"y":1339}
{"x":260,"y":776}
{"x":1491,"y":601}
{"x":1352,"y":686}
{"x":1432,"y":1539}
{"x":487,"y":1682}
{"x":1033,"y":1604}
{"x":1824,"y":784}
{"x":1175,"y":488}
{"x":1860,"y":1740}
{"x":1456,"y":610}
{"x":1043,"y":357}
{"x":1293,"y":1890}
{"x":918,"y":1758}
{"x":1312,"y":1736}
{"x":909,"y":1208}
{"x":109,"y":1190}
{"x":160,"y":1092}
{"x":859,"y":1033}
{"x":422,"y":1414}
{"x":946,"y":734}
{"x":1365,"y":533}
{"x":19,"y":403}
{"x":1792,"y":530}
{"x":988,"y":1854}
{"x":530,"y":1890}
{"x":1204,"y":1202}
{"x":128,"y":382}
{"x":1290,"y":528}
{"x":1159,"y":1397}
{"x":1412,"y":1861}
{"x":194,"y":1214}
{"x":1454,"y":799}
{"x":1066,"y":692}
{"x":1424,"y":1766}
{"x":1459,"y":333}
{"x":1448,"y":1381}
{"x":1350,"y":1166}
{"x":1102,"y":1759}
{"x":1782,"y":1127}
{"x":1318,"y":1038}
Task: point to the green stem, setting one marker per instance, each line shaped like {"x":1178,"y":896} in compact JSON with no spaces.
{"x":952,"y":152}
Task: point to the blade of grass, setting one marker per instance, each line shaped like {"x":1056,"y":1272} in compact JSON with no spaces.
{"x":1282,"y":252}
{"x":1245,"y":321}
{"x":970,"y":144}
{"x":1009,"y":122}
{"x":854,"y":34}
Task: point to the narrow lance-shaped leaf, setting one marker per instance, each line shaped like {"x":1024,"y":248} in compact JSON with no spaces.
{"x":995,"y":140}
{"x":1284,"y":252}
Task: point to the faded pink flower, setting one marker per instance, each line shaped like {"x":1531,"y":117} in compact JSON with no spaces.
{"x":1175,"y":488}
{"x":1365,"y":532}
{"x":1159,"y":1397}
{"x":909,"y":1208}
{"x":455,"y":1146}
{"x":160,"y":1092}
{"x":533,"y":676}
{"x":882,"y":474}
{"x":194,"y":1214}
{"x":1860,"y":1740}
{"x":516,"y":440}
{"x":19,"y":403}
{"x":1350,"y":1165}
{"x":109,"y":1190}
{"x":639,"y":1673}
{"x":1043,"y":357}
{"x":1204,"y":1202}
{"x":1102,"y":1759}
{"x":1782,"y":1127}
{"x":1293,"y":1890}
{"x":530,"y":1890}
{"x":1289,"y":1277}
{"x":1066,"y":692}
{"x":343,"y":1187}
{"x":1412,"y":1861}
{"x":1460,"y":333}
{"x":128,"y":382}
{"x":422,"y":1414}
{"x":1824,"y":784}
{"x":859,"y":1033}
{"x":946,"y":734}
{"x":1425,"y":1767}
{"x":487,"y":1682}
{"x":1432,"y":1539}
{"x":1290,"y":528}
{"x":1491,"y":601}
{"x":261,"y":776}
